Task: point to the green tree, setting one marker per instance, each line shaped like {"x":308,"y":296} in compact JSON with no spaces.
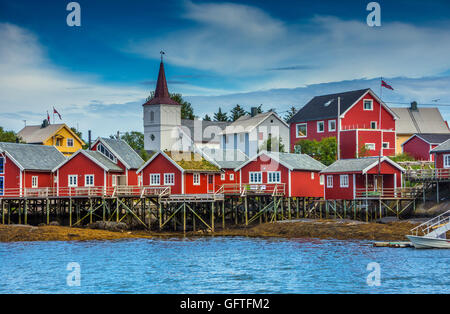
{"x":7,"y":136}
{"x":135,"y":139}
{"x":259,"y":109}
{"x":220,"y":116}
{"x":273,"y":142}
{"x":291,"y":112}
{"x":187,"y":112}
{"x":207,"y":118}
{"x":80,"y":135}
{"x":237,"y":112}
{"x":324,"y":151}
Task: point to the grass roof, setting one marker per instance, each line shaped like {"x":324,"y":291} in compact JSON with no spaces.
{"x":192,"y":162}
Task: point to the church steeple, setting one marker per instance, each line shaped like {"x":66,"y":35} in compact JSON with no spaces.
{"x":162,"y":96}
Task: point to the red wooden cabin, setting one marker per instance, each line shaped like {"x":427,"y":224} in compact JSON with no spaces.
{"x":26,"y":169}
{"x":120,"y":153}
{"x":442,"y":160}
{"x":367,"y":124}
{"x":420,"y":145}
{"x":293,"y":175}
{"x":369,"y":177}
{"x":87,"y":173}
{"x":183,"y":172}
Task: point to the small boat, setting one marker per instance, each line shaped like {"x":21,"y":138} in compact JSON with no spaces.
{"x":429,"y":243}
{"x":432,"y":233}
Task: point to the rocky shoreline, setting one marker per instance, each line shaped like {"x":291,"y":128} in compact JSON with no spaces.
{"x":304,"y":228}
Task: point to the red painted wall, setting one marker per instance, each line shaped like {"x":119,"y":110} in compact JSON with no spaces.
{"x":219,"y":182}
{"x":264,"y":164}
{"x":336,"y":192}
{"x":196,"y":189}
{"x":11,"y":175}
{"x":303,"y":185}
{"x":439,"y":162}
{"x":45,"y":179}
{"x":162,"y":165}
{"x":348,"y":144}
{"x":81,"y":165}
{"x":311,"y":131}
{"x":417,"y":148}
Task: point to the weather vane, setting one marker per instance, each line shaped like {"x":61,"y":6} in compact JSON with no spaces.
{"x":162,"y":53}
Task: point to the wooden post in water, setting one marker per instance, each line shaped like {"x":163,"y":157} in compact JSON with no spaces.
{"x":160,"y":214}
{"x":117,"y":209}
{"x":184,"y":217}
{"x":48,"y":211}
{"x":25,"y":211}
{"x":246,"y":210}
{"x":3,"y":212}
{"x":223,"y":214}
{"x":297,"y":207}
{"x":70,"y":212}
{"x":212,"y":216}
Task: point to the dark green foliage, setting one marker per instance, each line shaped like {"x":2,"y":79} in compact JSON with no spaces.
{"x":324,"y":151}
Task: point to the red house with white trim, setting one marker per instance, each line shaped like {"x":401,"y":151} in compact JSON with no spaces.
{"x":371,"y":177}
{"x":26,"y":169}
{"x":420,"y":145}
{"x":120,"y":153}
{"x":183,"y":172}
{"x":366,"y":128}
{"x":297,"y":175}
{"x":442,"y":156}
{"x":87,"y":172}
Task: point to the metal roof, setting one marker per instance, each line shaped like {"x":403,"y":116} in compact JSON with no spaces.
{"x":357,"y":165}
{"x":422,"y":120}
{"x":432,"y":138}
{"x":104,"y":162}
{"x":443,"y":148}
{"x":290,"y":161}
{"x":225,"y":158}
{"x":123,"y":152}
{"x":162,"y":96}
{"x":32,"y":156}
{"x":326,"y":106}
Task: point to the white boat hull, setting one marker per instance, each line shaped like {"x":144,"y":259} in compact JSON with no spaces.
{"x":429,"y":243}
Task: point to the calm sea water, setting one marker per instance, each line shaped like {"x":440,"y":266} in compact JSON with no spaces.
{"x":220,"y":265}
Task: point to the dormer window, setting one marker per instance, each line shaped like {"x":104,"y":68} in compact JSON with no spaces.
{"x":368,"y":104}
{"x":102,"y":149}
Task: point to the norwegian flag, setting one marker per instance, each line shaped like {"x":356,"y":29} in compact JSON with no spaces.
{"x":386,"y":85}
{"x":56,"y":112}
{"x":48,"y":117}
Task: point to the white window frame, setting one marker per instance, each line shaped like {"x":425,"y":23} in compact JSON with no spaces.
{"x":322,"y":179}
{"x":446,"y":161}
{"x":169,"y":179}
{"x":376,"y":125}
{"x":72,"y":183}
{"x":371,"y":104}
{"x":330,"y":129}
{"x":297,"y":127}
{"x":312,"y":175}
{"x":273,"y":176}
{"x":231,"y":176}
{"x":323,"y":126}
{"x":343,"y":180}
{"x":330,"y":181}
{"x":255,"y":175}
{"x":387,"y":146}
{"x":2,"y":163}
{"x":70,"y":140}
{"x":34,"y":182}
{"x":86,"y":181}
{"x":368,"y":145}
{"x":222,"y":176}
{"x":196,"y":178}
{"x":153,"y":180}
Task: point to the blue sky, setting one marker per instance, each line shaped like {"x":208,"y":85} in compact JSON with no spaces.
{"x":278,"y":53}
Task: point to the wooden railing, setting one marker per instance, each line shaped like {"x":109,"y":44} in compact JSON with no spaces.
{"x":274,"y":189}
{"x":94,"y":191}
{"x":428,"y":174}
{"x":387,"y":193}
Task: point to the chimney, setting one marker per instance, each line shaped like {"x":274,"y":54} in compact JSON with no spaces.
{"x":414,"y":106}
{"x":89,"y":139}
{"x":17,"y":140}
{"x":253,"y":111}
{"x":44,"y":124}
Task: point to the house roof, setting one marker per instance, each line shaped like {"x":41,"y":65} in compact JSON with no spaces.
{"x":209,"y":130}
{"x":94,"y":156}
{"x":247,"y":123}
{"x":162,"y":96}
{"x":431,"y":138}
{"x":290,"y":161}
{"x":326,"y":106}
{"x":358,"y":165}
{"x":36,"y":134}
{"x":443,"y":148}
{"x":422,"y":120}
{"x":225,"y":158}
{"x":32,"y":156}
{"x":123,"y":152}
{"x":185,"y":162}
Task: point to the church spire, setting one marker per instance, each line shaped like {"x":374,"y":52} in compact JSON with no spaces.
{"x":162,"y":96}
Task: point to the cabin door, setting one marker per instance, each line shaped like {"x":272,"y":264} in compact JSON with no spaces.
{"x":210,"y":183}
{"x":379,"y":183}
{"x":1,"y":185}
